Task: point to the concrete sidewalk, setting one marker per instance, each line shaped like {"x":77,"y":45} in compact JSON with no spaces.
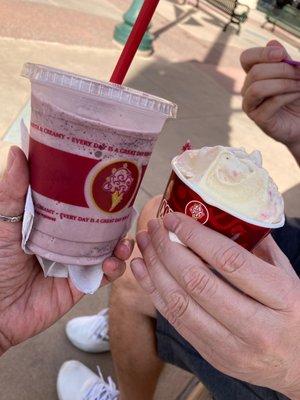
{"x":195,"y":65}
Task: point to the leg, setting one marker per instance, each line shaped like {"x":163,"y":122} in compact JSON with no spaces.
{"x":174,"y":349}
{"x":132,"y":330}
{"x":288,"y":239}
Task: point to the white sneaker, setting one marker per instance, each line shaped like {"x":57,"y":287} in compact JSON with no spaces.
{"x":77,"y":382}
{"x":90,"y":333}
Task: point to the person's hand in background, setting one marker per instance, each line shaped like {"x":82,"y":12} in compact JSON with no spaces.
{"x":271,"y":93}
{"x":240,"y":311}
{"x":30,"y":303}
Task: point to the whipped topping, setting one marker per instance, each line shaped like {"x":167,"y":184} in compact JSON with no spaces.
{"x":233,"y":180}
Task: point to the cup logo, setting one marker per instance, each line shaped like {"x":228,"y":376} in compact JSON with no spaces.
{"x":118,"y":183}
{"x":113,"y":187}
{"x":164,"y":209}
{"x":197,"y":210}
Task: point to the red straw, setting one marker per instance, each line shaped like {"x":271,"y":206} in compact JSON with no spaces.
{"x":134,"y":40}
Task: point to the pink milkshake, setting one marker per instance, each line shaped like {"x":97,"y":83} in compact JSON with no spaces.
{"x":90,"y":144}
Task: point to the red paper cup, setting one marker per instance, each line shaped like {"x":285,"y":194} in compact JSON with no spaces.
{"x":180,"y":197}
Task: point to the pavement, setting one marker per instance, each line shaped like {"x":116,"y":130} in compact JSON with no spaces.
{"x":194,"y":64}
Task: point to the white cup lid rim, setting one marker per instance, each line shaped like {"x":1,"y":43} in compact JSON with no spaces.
{"x":49,"y":76}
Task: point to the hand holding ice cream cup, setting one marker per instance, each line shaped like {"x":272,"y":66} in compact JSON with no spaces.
{"x":226,"y":189}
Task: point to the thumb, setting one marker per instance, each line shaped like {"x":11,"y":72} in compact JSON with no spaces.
{"x":275,"y":43}
{"x":14,"y":184}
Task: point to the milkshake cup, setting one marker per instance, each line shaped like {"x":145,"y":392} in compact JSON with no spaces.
{"x":89,"y":147}
{"x":184,"y":195}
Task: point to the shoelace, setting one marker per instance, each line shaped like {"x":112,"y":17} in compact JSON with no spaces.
{"x":99,"y":327}
{"x":102,"y":390}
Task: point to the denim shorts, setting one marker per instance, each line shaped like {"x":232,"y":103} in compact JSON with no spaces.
{"x":173,"y":349}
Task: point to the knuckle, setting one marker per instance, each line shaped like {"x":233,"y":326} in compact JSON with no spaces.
{"x":185,"y":231}
{"x":286,"y":84}
{"x":286,"y":69}
{"x":155,"y":225}
{"x":269,"y":343}
{"x":254,"y":73}
{"x":152,"y":260}
{"x":265,"y":54}
{"x":245,"y":103}
{"x":230,"y":259}
{"x":274,"y":101}
{"x":198,"y":282}
{"x":190,"y":236}
{"x":243,"y":58}
{"x":258,"y":117}
{"x":177,"y":226}
{"x":149,"y":287}
{"x":120,"y":269}
{"x":177,"y":304}
{"x":174,"y":321}
{"x":243,"y":90}
{"x":246,"y":106}
{"x":255,"y":90}
{"x":288,"y":297}
{"x":160,"y":247}
{"x":265,"y":342}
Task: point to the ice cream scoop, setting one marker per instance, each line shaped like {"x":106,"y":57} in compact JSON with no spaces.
{"x":232,"y":180}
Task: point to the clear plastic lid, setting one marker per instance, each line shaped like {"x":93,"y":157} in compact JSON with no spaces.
{"x":110,"y":91}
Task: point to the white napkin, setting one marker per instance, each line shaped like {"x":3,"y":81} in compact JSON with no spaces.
{"x":174,"y":238}
{"x":87,"y":279}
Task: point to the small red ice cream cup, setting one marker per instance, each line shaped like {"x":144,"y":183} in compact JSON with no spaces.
{"x":181,"y":197}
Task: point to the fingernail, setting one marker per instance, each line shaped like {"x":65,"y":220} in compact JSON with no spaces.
{"x":138,"y":268}
{"x":127,"y":243}
{"x":274,"y":43}
{"x":114,"y":264}
{"x":143,"y":240}
{"x":276,"y":54}
{"x":153,"y":225}
{"x":171,"y":221}
{"x":10,"y":159}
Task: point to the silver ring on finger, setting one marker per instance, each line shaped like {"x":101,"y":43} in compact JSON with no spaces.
{"x":12,"y":220}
